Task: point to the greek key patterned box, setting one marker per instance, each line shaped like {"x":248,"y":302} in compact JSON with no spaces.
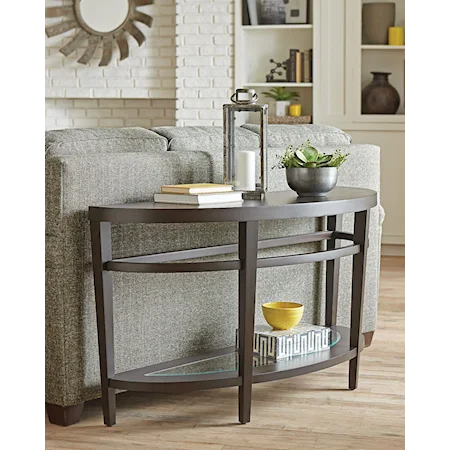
{"x":300,"y":340}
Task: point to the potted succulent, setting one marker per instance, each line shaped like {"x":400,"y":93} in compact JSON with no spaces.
{"x":282,"y":99}
{"x":309,"y":172}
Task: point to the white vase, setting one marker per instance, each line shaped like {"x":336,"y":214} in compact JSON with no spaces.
{"x":282,"y":108}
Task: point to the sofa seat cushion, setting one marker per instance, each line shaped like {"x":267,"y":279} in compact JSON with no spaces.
{"x":207,"y":139}
{"x":284,"y":135}
{"x":86,"y":141}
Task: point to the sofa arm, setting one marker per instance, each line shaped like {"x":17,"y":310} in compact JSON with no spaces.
{"x":362,"y":170}
{"x":73,"y":183}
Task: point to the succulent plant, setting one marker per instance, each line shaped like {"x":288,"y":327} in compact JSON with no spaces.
{"x":308,"y":156}
{"x":281,"y":94}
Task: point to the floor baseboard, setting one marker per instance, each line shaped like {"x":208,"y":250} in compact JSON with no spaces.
{"x":392,"y":250}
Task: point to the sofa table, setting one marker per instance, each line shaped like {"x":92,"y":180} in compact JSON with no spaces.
{"x":231,"y":366}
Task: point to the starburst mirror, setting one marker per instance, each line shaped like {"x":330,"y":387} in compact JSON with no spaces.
{"x":100,"y":23}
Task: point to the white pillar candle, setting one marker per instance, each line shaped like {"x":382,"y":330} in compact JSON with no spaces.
{"x":245,"y":171}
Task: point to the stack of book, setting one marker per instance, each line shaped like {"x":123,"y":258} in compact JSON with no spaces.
{"x":198,"y":194}
{"x":299,"y":68}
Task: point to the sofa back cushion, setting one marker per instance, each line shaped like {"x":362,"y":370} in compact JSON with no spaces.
{"x":284,"y":135}
{"x":88,"y":141}
{"x":209,"y":141}
{"x":205,"y":139}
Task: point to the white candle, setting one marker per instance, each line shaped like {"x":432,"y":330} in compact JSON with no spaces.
{"x":245,"y":171}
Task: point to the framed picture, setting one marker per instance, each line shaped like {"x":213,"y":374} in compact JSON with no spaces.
{"x":273,"y":12}
{"x":296,"y":11}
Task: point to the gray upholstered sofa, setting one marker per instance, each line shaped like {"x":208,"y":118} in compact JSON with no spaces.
{"x":165,"y":316}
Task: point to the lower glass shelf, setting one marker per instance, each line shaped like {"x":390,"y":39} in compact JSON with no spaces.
{"x":230,"y":362}
{"x":219,"y":368}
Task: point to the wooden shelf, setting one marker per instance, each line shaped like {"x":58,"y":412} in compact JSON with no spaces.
{"x":382,"y":47}
{"x":307,"y":26}
{"x":286,"y":84}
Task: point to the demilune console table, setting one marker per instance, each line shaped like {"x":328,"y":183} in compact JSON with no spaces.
{"x":231,"y":366}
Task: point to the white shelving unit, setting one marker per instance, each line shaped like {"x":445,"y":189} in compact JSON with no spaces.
{"x":384,"y":118}
{"x":343,"y":68}
{"x":341,"y":62}
{"x":363,"y":59}
{"x":275,"y":27}
{"x":382,"y":47}
{"x":292,"y":85}
{"x":257,"y":44}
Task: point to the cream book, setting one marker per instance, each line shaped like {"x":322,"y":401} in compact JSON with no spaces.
{"x":199,"y":199}
{"x":201,"y":188}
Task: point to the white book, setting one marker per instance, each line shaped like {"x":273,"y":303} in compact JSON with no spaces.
{"x":199,"y":188}
{"x":199,"y":199}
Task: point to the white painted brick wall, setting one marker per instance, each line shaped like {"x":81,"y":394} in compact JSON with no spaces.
{"x":88,"y":113}
{"x":149,"y":72}
{"x":127,"y":93}
{"x":204,"y":53}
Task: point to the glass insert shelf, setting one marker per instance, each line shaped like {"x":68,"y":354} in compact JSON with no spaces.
{"x":229,"y":362}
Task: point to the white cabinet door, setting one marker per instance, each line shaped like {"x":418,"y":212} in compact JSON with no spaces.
{"x":329,"y":61}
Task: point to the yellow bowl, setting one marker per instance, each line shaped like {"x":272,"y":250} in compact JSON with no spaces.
{"x":283,"y":315}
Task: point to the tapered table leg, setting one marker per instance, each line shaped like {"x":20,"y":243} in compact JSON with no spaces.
{"x":361,"y":231}
{"x":248,"y":246}
{"x":334,"y":223}
{"x":101,"y":253}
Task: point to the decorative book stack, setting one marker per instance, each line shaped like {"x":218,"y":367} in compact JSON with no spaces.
{"x":299,"y":67}
{"x":198,"y":194}
{"x":298,"y":341}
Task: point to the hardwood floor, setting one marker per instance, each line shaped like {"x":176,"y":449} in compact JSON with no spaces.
{"x":315,"y":411}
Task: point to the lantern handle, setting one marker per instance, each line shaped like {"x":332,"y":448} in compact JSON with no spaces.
{"x":251,"y":99}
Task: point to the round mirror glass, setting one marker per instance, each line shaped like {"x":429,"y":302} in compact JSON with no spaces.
{"x":104,"y":16}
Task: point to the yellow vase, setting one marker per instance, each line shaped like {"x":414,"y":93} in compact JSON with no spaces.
{"x":396,"y":36}
{"x":295,"y":110}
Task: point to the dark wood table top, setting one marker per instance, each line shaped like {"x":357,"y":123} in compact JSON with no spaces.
{"x":275,"y":205}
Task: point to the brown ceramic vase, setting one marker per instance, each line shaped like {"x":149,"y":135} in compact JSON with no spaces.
{"x":380,"y":97}
{"x":376,"y":20}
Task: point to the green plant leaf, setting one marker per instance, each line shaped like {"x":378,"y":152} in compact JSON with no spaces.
{"x":335,"y":163}
{"x":308,"y":156}
{"x":338,"y":159}
{"x":323,"y":158}
{"x":298,"y":161}
{"x":299,"y":154}
{"x":311,"y":154}
{"x":295,"y":163}
{"x":270,"y":95}
{"x":280,"y":94}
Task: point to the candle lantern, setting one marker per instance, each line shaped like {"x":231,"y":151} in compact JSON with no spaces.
{"x":239,"y":166}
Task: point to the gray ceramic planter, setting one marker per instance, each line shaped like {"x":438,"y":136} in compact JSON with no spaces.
{"x":312,"y":182}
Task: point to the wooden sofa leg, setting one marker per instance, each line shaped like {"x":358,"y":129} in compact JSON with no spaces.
{"x":368,"y":338}
{"x":64,"y":415}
